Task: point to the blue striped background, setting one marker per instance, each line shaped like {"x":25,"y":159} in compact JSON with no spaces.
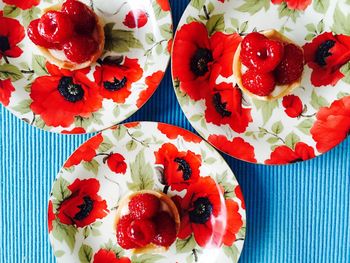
{"x":298,"y":213}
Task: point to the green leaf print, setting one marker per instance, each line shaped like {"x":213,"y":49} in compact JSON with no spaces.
{"x":305,"y":126}
{"x":318,"y":102}
{"x":146,"y":258}
{"x":292,"y":139}
{"x":60,"y":189}
{"x":216,"y":23}
{"x":39,"y":65}
{"x":11,"y":11}
{"x":92,"y":166}
{"x":11,"y":72}
{"x":346,"y":71}
{"x":321,"y":6}
{"x":64,"y":233}
{"x":254,"y":6}
{"x":85,"y":254}
{"x":185,"y":245}
{"x":341,"y":23}
{"x":266,"y":107}
{"x":29,"y":15}
{"x":232,"y":252}
{"x":142,"y":174}
{"x":23,"y":107}
{"x":198,"y":4}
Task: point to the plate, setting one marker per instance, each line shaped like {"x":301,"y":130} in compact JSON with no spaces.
{"x":138,"y":39}
{"x":122,"y":160}
{"x":305,"y":124}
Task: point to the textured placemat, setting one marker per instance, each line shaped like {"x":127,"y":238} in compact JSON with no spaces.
{"x":297,"y":213}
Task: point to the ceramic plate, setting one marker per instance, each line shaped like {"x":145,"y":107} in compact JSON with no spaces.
{"x":138,"y":36}
{"x":308,"y":122}
{"x":134,"y":157}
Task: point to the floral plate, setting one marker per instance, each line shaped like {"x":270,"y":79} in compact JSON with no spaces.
{"x":138,"y":39}
{"x":307,"y":123}
{"x":138,"y":156}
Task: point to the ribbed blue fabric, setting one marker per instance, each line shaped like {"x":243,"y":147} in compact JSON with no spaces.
{"x":297,"y":213}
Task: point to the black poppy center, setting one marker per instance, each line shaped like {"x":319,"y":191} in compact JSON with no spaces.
{"x":4,"y":43}
{"x":115,"y":85}
{"x":200,"y":60}
{"x":185,"y":168}
{"x":70,"y":91}
{"x":323,"y":52}
{"x":85,"y":209}
{"x":202,"y":211}
{"x":220,"y":106}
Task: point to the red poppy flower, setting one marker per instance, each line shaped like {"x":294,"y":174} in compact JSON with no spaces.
{"x":326,"y":54}
{"x":116,"y":162}
{"x":86,"y":152}
{"x":234,"y":222}
{"x":332,"y":125}
{"x":84,"y":206}
{"x":11,"y":34}
{"x":199,"y":59}
{"x":64,"y":95}
{"x":136,"y":19}
{"x":181,"y":169}
{"x":131,"y":124}
{"x":294,"y":4}
{"x":237,"y":147}
{"x":224,"y":106}
{"x":164,"y":5}
{"x":6,"y":89}
{"x":22,"y":4}
{"x":286,"y":155}
{"x":239,"y":194}
{"x":172,"y":133}
{"x":104,"y":256}
{"x":51,"y":216}
{"x":170,"y":45}
{"x":293,"y":106}
{"x":152,"y":83}
{"x":115,"y":77}
{"x":77,"y":130}
{"x":200,"y":206}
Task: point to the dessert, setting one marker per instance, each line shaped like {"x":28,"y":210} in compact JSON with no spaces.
{"x":70,"y":35}
{"x":268,"y":65}
{"x":147,"y":221}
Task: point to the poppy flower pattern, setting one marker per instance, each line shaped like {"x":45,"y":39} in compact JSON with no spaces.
{"x":100,"y":96}
{"x":294,"y":4}
{"x":332,"y":125}
{"x":22,"y":4}
{"x":243,"y":126}
{"x":64,"y":95}
{"x":198,"y":59}
{"x":86,"y":152}
{"x":104,"y":255}
{"x":325,"y":55}
{"x":11,"y":34}
{"x":84,"y":206}
{"x":115,"y":79}
{"x":6,"y":89}
{"x":180,"y":168}
{"x":85,"y":198}
{"x":286,"y":155}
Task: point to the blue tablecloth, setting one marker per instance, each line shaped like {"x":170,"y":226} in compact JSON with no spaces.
{"x":297,"y":213}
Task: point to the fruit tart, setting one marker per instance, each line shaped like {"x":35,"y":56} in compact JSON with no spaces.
{"x":147,"y":221}
{"x":268,"y":65}
{"x":70,"y":35}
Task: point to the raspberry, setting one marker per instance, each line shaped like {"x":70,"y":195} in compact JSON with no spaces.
{"x":261,"y":84}
{"x":291,"y":67}
{"x":165,"y":229}
{"x":144,"y":206}
{"x":37,"y":39}
{"x":260,"y":53}
{"x":122,"y":233}
{"x":81,"y":15}
{"x":80,"y":48}
{"x":55,"y":27}
{"x":141,"y":231}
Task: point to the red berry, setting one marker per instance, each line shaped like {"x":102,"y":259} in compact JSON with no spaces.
{"x":122,"y":233}
{"x":136,"y":18}
{"x":82,"y":16}
{"x":165,"y":229}
{"x":261,"y":84}
{"x":144,"y":206}
{"x":291,"y":67}
{"x":55,"y":27}
{"x":37,"y":39}
{"x":260,"y":53}
{"x":141,"y":231}
{"x":80,"y":48}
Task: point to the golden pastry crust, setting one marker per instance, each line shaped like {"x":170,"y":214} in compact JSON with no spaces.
{"x":237,"y":69}
{"x":163,"y":199}
{"x":98,"y":35}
